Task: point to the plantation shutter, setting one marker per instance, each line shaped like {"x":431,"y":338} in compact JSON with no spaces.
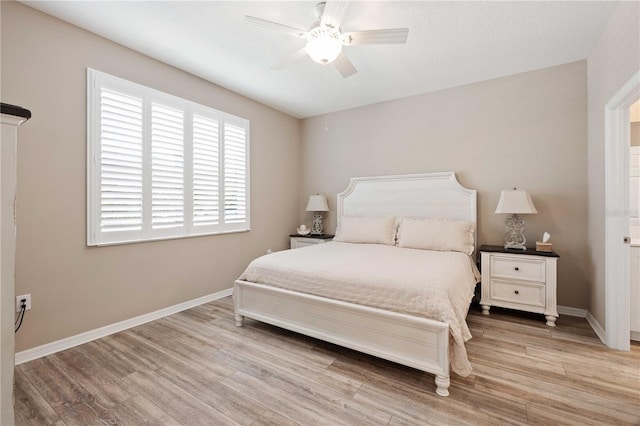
{"x":120,"y":162}
{"x":235,"y":172}
{"x":206,"y":165}
{"x":167,"y":167}
{"x":161,"y":167}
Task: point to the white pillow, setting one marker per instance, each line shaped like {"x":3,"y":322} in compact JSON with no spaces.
{"x":369,"y":230}
{"x":437,"y":234}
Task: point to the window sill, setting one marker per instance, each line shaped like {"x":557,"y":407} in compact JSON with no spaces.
{"x":177,"y":237}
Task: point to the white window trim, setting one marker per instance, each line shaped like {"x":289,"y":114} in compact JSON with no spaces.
{"x":95,"y":81}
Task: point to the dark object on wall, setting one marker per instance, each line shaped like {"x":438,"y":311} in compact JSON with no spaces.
{"x":15,"y":110}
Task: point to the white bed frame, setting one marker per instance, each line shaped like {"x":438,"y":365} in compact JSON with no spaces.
{"x":413,"y":341}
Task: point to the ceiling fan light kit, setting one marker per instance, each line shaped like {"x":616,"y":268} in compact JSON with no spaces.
{"x":324,"y":44}
{"x":325,"y":39}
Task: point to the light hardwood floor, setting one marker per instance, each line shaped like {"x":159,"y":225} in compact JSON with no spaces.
{"x":197,"y":368}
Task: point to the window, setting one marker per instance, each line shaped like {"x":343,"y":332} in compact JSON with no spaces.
{"x":160,"y":166}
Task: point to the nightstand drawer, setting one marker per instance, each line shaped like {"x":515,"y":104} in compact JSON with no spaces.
{"x":521,"y":293}
{"x":297,"y":241}
{"x":518,"y":268}
{"x":304,"y":242}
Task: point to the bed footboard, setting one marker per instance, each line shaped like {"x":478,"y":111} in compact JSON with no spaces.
{"x":413,"y":341}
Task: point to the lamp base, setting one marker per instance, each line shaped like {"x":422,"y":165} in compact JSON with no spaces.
{"x":514,"y":237}
{"x":515,"y":247}
{"x":316,"y":226}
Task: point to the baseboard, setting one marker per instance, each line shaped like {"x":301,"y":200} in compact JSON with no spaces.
{"x":572,"y":312}
{"x":635,"y":335}
{"x":597,"y":328}
{"x":79,"y":339}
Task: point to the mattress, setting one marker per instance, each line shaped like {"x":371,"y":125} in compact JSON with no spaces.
{"x":431,"y":284}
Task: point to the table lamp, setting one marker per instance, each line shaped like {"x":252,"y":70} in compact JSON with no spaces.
{"x":317,"y":204}
{"x":515,"y":202}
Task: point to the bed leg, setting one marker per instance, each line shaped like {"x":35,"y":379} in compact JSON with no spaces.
{"x":551,"y":320}
{"x":442,"y":385}
{"x":239,"y":319}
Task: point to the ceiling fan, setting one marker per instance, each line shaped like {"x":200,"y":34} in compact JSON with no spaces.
{"x":325,"y":38}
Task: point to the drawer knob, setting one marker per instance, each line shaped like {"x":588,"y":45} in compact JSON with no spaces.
{"x":516,"y":292}
{"x":516,"y":268}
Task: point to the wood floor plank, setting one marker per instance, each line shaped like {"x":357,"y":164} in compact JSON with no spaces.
{"x":53,"y":383}
{"x":140,"y":411}
{"x":185,"y":344}
{"x":190,"y":326}
{"x":72,"y":402}
{"x":92,"y":376}
{"x":207,"y":388}
{"x":547,"y":392}
{"x":260,"y":332}
{"x":420,"y":406}
{"x":177,"y":402}
{"x":106,"y":355}
{"x":587,"y":365}
{"x":270,"y":418}
{"x":267,"y":336}
{"x":612,"y":380}
{"x":240,"y":359}
{"x":285,"y":404}
{"x":86,"y":411}
{"x":397,"y":421}
{"x":30,"y":407}
{"x":139,"y":355}
{"x":281,"y":378}
{"x":309,"y":364}
{"x":197,"y":367}
{"x":486,"y":346}
{"x":545,"y":414}
{"x":503,"y":410}
{"x":374,"y":370}
{"x":179,"y":353}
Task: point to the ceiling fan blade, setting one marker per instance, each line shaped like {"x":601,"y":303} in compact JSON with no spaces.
{"x":298,"y":54}
{"x":273,"y":26}
{"x":387,"y":36}
{"x":344,"y":65}
{"x":334,"y":11}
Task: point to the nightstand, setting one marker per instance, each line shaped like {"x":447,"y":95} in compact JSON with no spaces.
{"x":297,"y":241}
{"x":519,"y":279}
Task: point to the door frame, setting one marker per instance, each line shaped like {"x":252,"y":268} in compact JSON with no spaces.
{"x":617,"y":214}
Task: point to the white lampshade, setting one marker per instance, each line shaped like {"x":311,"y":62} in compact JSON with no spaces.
{"x":323,"y":44}
{"x":515,"y":201}
{"x":317,"y":203}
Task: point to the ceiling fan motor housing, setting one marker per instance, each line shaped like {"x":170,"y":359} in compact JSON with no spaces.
{"x":318,"y":10}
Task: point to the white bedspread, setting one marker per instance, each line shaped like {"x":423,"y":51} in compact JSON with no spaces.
{"x":431,"y":284}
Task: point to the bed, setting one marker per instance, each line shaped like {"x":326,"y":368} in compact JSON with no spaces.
{"x":330,"y":292}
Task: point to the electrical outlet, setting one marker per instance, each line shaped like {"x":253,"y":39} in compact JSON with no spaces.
{"x":26,"y":298}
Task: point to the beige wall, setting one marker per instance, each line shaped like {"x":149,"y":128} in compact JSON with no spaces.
{"x":612,"y":63}
{"x":526,"y":131}
{"x":75,"y":288}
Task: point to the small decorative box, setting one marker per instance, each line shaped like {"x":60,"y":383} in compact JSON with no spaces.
{"x":540,"y":246}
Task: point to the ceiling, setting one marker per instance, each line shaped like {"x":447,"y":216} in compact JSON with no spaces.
{"x":449,"y":44}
